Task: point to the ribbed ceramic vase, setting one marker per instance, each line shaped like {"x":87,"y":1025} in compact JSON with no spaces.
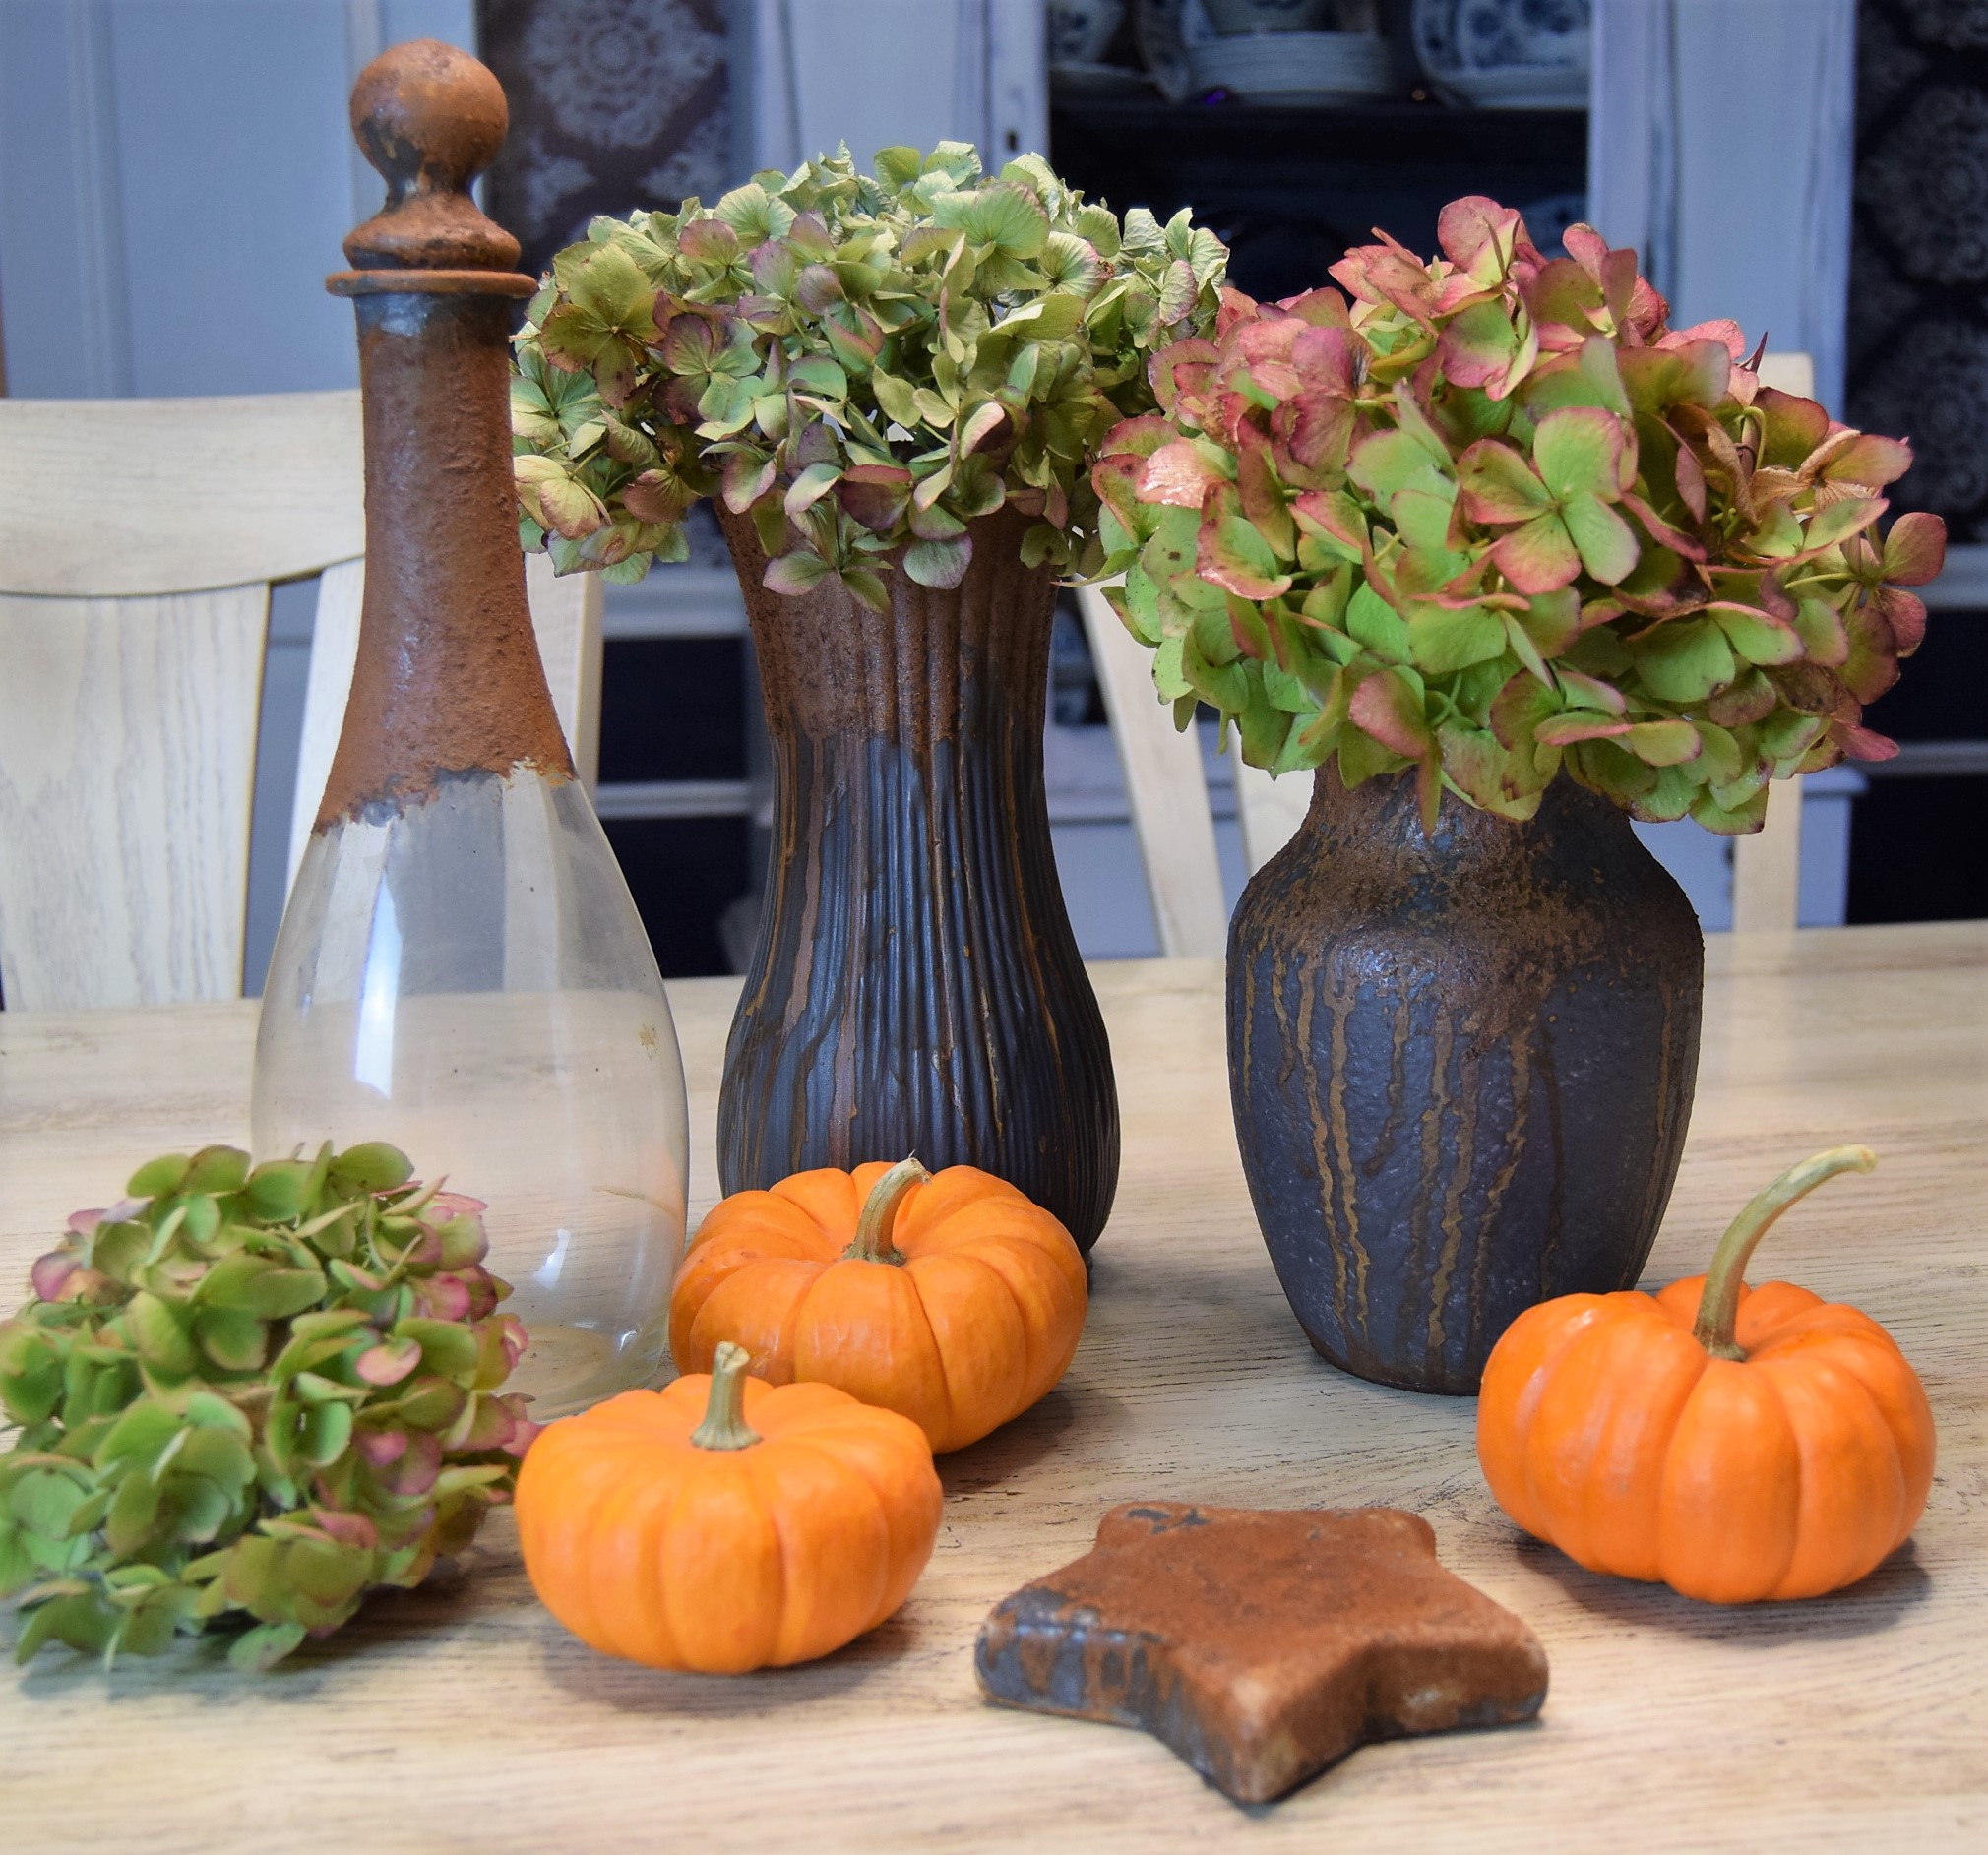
{"x":915,"y":987}
{"x":1461,"y":1067}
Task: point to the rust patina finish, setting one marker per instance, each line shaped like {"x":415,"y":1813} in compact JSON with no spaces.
{"x":448,"y":678}
{"x":1262,"y":1644}
{"x":430,"y":118}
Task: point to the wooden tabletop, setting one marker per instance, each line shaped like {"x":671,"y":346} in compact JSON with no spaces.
{"x":461,"y":1716}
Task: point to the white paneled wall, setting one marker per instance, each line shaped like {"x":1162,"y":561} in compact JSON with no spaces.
{"x":880,"y":73}
{"x":1719,"y":145}
{"x":1734,"y":187}
{"x":175,"y":179}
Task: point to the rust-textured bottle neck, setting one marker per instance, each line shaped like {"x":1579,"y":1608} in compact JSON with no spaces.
{"x":448,"y":678}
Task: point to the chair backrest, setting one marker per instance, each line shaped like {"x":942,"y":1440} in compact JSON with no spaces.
{"x":1163,"y":785}
{"x":1766,"y":864}
{"x":1166,"y":791}
{"x":1172,"y":820}
{"x":137,"y":542}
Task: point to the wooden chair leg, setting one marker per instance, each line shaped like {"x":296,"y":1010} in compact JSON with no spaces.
{"x":1271,"y":810}
{"x":1166,"y":788}
{"x":1767,"y":867}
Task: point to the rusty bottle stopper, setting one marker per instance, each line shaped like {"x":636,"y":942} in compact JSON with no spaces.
{"x":460,"y":972}
{"x":448,"y":678}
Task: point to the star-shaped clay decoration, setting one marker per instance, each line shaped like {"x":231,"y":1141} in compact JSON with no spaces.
{"x":1262,"y":1644}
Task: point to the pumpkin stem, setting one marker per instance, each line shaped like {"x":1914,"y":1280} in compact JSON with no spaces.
{"x":880,"y":1212}
{"x":724,"y":1426}
{"x":1718,"y":1302}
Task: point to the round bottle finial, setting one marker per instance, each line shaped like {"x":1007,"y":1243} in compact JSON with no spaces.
{"x":430,"y":118}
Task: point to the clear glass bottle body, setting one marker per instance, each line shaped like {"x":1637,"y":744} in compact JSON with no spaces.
{"x":467,"y":978}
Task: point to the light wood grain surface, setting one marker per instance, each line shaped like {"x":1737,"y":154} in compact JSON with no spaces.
{"x":132,"y":633}
{"x":460,"y":1717}
{"x":132,"y":636}
{"x":127,"y":768}
{"x":203,"y":493}
{"x":1767,"y":865}
{"x":1270,"y":808}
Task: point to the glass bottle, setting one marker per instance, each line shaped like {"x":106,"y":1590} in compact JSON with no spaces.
{"x":461,"y":970}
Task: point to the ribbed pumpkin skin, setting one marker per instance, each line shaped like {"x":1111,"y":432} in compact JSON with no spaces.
{"x":977,"y":1323}
{"x":1607,"y":1430}
{"x":721,"y":1561}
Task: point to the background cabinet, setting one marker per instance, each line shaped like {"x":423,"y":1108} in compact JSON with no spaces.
{"x":176,"y":175}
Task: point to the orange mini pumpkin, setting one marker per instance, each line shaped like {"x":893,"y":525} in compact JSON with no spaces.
{"x":1734,"y":1445}
{"x":949,"y":1298}
{"x":722,"y":1523}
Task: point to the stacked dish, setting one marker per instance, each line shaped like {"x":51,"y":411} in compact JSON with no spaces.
{"x":1294,"y":67}
{"x":1506,"y":54}
{"x":1080,"y":33}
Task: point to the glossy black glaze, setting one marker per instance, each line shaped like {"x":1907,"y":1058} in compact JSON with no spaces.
{"x":1461,"y":1068}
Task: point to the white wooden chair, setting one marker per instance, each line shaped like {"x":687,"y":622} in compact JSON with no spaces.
{"x":1172,"y":820}
{"x":1167,"y":793}
{"x":1767,"y":865}
{"x":137,"y":542}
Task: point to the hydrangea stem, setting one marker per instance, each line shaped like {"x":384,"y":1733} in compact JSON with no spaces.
{"x":724,"y":1426}
{"x":1718,"y":1303}
{"x":880,"y":1212}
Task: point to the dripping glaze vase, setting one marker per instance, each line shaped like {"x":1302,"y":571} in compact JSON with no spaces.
{"x":461,"y":970}
{"x":1461,"y":1063}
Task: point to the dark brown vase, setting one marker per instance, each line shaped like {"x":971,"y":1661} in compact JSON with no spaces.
{"x":1461,"y":1067}
{"x":915,"y":987}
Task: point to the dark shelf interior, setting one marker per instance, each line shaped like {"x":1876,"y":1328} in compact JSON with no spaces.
{"x":1289,"y":190}
{"x":1915,"y":850}
{"x":1421,"y":133}
{"x":674,"y":709}
{"x":1915,"y":841}
{"x":684,"y":873}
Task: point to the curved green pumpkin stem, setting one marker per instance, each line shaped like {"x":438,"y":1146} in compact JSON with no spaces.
{"x":1718,"y":1303}
{"x":724,"y":1426}
{"x":880,"y":1212}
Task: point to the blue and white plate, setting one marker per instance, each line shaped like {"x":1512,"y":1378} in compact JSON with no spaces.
{"x":1506,"y":54}
{"x":1296,"y":69}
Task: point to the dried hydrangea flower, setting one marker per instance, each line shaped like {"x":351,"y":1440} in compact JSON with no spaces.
{"x":1490,"y":517}
{"x":865,"y":362}
{"x":250,"y":1396}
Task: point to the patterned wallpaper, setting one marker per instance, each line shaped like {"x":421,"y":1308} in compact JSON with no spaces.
{"x":1918,"y":310}
{"x":615,"y":105}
